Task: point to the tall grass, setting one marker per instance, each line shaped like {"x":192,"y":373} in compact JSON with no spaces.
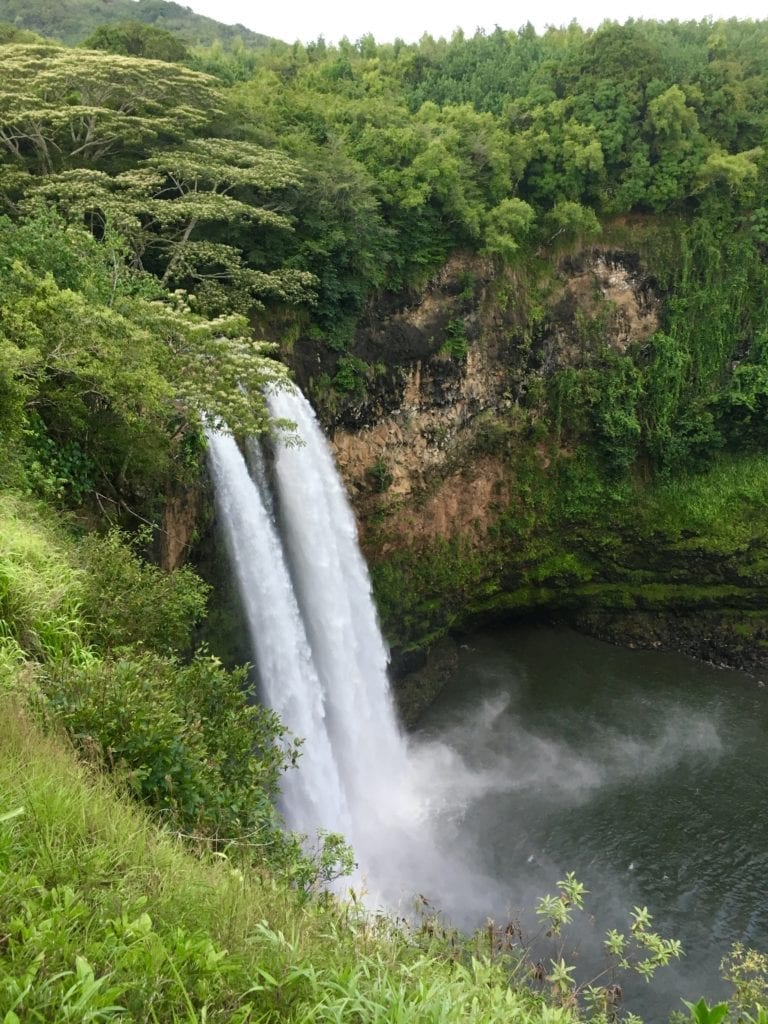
{"x":39,"y":587}
{"x":724,"y":505}
{"x":106,"y":917}
{"x":87,"y":875}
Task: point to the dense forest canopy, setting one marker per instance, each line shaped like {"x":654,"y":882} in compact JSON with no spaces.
{"x":321,"y":175}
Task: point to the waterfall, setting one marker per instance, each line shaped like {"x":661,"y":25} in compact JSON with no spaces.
{"x":305,"y":590}
{"x":334,"y":593}
{"x":313,"y":796}
{"x":313,"y":630}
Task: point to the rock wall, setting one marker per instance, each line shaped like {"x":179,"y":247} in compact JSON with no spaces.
{"x":416,"y":440}
{"x":181,"y":518}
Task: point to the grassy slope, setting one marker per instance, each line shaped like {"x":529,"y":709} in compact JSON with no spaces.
{"x":106,"y":916}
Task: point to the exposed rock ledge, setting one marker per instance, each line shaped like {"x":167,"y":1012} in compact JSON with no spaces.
{"x":423,"y":414}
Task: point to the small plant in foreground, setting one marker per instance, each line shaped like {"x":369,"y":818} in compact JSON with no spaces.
{"x":747,"y":972}
{"x":702,"y":1013}
{"x":642,"y":951}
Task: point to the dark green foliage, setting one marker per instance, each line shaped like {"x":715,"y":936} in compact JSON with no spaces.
{"x":188,"y":739}
{"x":743,"y":409}
{"x":602,"y":403}
{"x":134,"y":39}
{"x":614,"y":413}
{"x":12,"y":34}
{"x":475,"y":69}
{"x":380,"y":476}
{"x":340,"y":235}
{"x":501,"y":142}
{"x":701,"y":379}
{"x":351,"y":375}
{"x":577,"y":491}
{"x":78,"y":362}
{"x":60,"y":473}
{"x":127,"y":601}
{"x":456,"y":342}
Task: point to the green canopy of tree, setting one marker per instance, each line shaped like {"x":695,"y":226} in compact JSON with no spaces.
{"x":110,"y":361}
{"x":12,"y":34}
{"x":135,"y":39}
{"x":63,"y":108}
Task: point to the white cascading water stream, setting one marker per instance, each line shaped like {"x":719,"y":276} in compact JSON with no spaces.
{"x":313,"y":630}
{"x":278,"y":638}
{"x":334,"y":593}
{"x":323,"y":665}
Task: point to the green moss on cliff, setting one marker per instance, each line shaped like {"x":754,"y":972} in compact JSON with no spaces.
{"x":571,"y":543}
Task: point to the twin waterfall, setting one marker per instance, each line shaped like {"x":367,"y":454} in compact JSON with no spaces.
{"x":316,"y":642}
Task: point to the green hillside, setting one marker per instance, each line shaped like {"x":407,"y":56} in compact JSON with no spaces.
{"x":72,"y":21}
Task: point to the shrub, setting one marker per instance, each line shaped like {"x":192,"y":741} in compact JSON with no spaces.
{"x":380,"y":475}
{"x":456,"y":344}
{"x":187,"y":738}
{"x":126,"y":600}
{"x":59,"y":473}
{"x":351,"y":376}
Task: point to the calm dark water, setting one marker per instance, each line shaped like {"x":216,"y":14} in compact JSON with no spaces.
{"x":644,"y":773}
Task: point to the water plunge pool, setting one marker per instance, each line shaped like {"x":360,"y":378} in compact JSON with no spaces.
{"x":643,"y":772}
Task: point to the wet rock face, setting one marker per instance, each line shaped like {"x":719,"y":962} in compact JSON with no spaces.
{"x":414,"y":426}
{"x":441,"y":369}
{"x":605,"y":299}
{"x":400,"y":335}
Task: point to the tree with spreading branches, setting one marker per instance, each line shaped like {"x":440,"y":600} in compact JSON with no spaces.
{"x":63,"y":109}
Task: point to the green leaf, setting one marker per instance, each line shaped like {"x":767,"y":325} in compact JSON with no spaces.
{"x":17,"y":812}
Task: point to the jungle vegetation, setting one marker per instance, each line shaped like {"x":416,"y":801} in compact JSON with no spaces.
{"x":173,"y":202}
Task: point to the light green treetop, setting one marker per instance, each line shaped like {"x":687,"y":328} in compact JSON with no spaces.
{"x":68,"y":108}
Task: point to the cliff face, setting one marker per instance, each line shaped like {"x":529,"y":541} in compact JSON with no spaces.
{"x":182,"y":515}
{"x":422,"y":437}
